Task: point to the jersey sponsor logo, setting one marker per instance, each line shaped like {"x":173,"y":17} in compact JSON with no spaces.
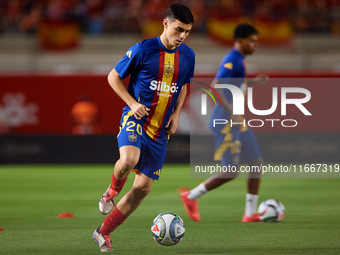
{"x":132,"y":137}
{"x":164,"y":88}
{"x":228,"y":65}
{"x":128,"y":53}
{"x":161,"y":86}
{"x":168,"y":70}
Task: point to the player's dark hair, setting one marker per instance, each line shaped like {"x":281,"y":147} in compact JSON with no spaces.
{"x":179,"y":12}
{"x":244,"y":30}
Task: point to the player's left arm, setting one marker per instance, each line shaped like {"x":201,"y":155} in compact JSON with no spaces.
{"x":172,"y":124}
{"x":260,"y":79}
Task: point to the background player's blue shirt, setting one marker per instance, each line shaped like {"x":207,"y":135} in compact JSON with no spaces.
{"x":156,"y":78}
{"x":231,"y":71}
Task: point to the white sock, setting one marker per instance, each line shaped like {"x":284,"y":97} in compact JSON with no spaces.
{"x":251,"y":204}
{"x":197,"y":192}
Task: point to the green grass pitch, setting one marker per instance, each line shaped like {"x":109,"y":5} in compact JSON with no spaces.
{"x":31,"y":198}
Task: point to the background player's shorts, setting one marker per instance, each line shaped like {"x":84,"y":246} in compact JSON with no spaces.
{"x":249,"y":147}
{"x":152,"y":153}
{"x":228,"y":147}
{"x":236,"y":147}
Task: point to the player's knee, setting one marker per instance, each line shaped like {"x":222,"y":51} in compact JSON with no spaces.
{"x":127,"y":164}
{"x":260,"y":161}
{"x":232,"y":176}
{"x":257,"y":162}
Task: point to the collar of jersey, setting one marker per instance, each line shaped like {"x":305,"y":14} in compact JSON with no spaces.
{"x":237,"y":52}
{"x":163,"y":47}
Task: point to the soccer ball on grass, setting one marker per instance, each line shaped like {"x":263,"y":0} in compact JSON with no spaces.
{"x":271,"y":210}
{"x":167,"y":229}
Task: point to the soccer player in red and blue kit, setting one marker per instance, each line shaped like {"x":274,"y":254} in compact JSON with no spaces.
{"x":159,"y":70}
{"x":234,"y":144}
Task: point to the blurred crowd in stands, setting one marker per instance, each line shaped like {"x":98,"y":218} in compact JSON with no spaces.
{"x":128,"y":16}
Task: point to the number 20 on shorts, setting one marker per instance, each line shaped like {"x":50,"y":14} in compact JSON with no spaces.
{"x":131,"y":127}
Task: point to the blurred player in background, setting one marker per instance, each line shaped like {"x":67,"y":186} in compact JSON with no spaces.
{"x":234,"y":144}
{"x":159,"y":70}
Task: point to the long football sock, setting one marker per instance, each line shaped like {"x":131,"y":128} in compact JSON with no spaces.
{"x":112,"y":221}
{"x":197,"y":192}
{"x":117,"y":185}
{"x":251,"y":204}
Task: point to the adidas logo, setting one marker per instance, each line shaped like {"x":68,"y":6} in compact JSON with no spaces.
{"x":158,"y":172}
{"x":281,"y":215}
{"x":155,"y":228}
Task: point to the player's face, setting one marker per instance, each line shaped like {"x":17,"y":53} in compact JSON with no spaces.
{"x":176,"y":32}
{"x":249,"y":44}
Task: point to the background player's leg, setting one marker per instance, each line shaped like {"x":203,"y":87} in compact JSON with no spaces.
{"x":253,"y":181}
{"x":253,"y":184}
{"x":224,"y":143}
{"x":212,"y":183}
{"x":228,"y":157}
{"x":218,"y":179}
{"x":190,"y":198}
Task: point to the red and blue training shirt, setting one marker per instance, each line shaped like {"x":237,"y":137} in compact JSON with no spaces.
{"x":156,"y":79}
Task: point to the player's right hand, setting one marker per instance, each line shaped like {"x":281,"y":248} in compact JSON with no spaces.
{"x":139,"y":110}
{"x":236,"y":120}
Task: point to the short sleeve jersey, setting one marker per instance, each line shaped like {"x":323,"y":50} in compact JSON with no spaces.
{"x":156,"y":79}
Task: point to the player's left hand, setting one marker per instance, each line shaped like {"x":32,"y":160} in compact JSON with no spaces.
{"x":261,"y":79}
{"x":172,"y":124}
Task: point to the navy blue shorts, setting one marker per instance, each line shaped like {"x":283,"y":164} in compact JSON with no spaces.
{"x":233,"y":147}
{"x":249,"y":147}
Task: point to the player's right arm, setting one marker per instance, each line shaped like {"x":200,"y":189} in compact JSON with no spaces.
{"x":226,"y":105}
{"x":227,"y":70}
{"x":260,"y":79}
{"x":138,"y":110}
